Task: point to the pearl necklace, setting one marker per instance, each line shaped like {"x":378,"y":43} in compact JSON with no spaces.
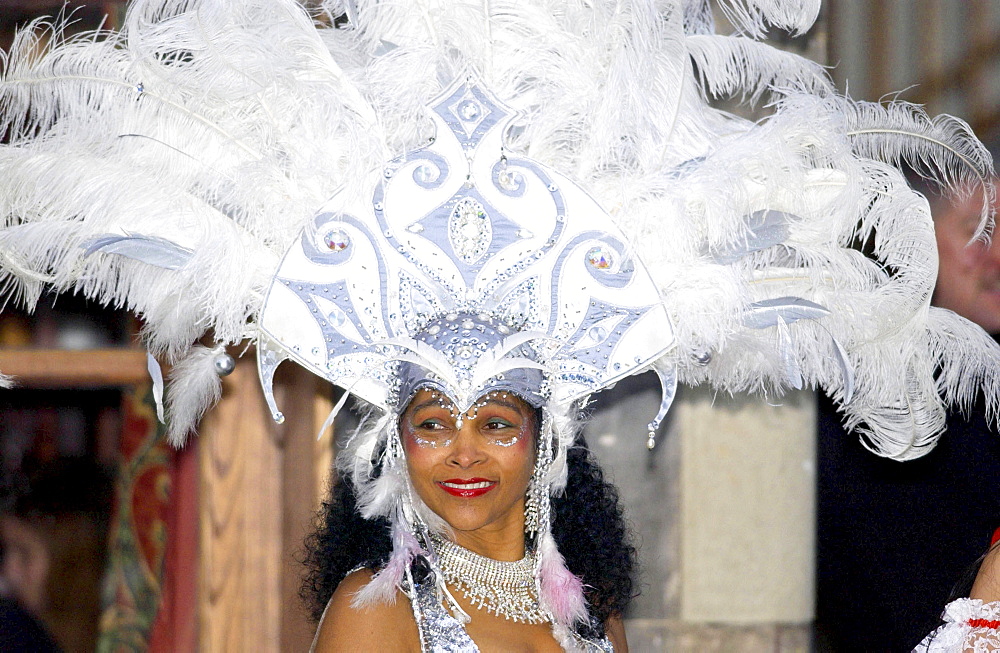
{"x":505,"y":589}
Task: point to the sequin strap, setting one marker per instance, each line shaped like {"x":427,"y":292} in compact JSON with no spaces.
{"x":439,"y":631}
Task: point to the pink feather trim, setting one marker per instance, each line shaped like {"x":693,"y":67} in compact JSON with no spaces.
{"x":562,"y":592}
{"x":383,"y":585}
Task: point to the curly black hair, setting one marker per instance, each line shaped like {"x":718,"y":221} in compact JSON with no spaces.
{"x":588,"y":525}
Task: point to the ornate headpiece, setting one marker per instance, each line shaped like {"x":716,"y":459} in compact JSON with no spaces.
{"x":576,"y":214}
{"x":469,"y":264}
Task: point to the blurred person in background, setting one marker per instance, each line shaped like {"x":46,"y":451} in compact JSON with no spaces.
{"x":969,"y":273}
{"x":54,"y":528}
{"x":897,"y":541}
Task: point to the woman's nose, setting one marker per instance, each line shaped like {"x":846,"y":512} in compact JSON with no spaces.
{"x":468,"y":447}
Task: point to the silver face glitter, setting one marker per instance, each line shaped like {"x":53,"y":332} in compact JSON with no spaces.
{"x":438,"y":432}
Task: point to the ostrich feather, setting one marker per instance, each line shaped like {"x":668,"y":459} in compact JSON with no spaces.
{"x":753,"y":16}
{"x":379,"y":497}
{"x":561,"y":591}
{"x":735,"y":64}
{"x":384,"y":585}
{"x":193,"y":388}
{"x":698,"y":17}
{"x":889,"y":428}
{"x":942,"y":148}
{"x":968,"y":363}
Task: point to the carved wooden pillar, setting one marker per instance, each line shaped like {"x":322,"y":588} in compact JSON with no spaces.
{"x":259,"y":490}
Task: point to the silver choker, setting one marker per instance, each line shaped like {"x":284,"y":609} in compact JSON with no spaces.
{"x":505,"y":589}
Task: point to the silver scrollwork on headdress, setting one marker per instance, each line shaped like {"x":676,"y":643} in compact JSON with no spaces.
{"x":457,"y":238}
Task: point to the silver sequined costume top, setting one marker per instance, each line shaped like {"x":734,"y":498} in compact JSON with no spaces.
{"x":440,"y":632}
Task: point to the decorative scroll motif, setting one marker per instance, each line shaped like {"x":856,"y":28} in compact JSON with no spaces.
{"x":460,"y":228}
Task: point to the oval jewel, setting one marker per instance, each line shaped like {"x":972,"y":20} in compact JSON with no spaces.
{"x":337,"y":240}
{"x":598,"y":333}
{"x":468,"y":110}
{"x":337,"y":316}
{"x":425,"y":173}
{"x":599,"y":258}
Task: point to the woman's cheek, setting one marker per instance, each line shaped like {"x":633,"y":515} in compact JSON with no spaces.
{"x":521,"y":452}
{"x":417,"y":454}
{"x":524,"y":443}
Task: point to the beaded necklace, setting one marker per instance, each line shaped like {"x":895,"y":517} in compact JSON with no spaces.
{"x":505,"y":589}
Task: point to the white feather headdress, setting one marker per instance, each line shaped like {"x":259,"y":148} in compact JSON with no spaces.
{"x":168,"y":168}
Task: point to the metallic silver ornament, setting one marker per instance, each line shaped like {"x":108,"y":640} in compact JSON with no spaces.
{"x":224,"y":364}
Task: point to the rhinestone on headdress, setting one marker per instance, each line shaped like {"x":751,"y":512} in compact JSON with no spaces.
{"x":337,"y":240}
{"x":425,"y":173}
{"x":469,"y":110}
{"x":599,"y":258}
{"x":469,"y":230}
{"x":337,"y":316}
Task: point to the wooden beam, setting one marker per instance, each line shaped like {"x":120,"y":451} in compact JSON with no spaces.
{"x":240,"y":557}
{"x":303,"y":398}
{"x":74,"y":369}
{"x":258,"y":496}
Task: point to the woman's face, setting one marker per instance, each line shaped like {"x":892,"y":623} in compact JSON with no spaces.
{"x":473,"y":474}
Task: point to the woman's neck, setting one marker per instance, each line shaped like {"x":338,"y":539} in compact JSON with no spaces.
{"x":497,"y":541}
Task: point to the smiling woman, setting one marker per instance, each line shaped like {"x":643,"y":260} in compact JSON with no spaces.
{"x":476,"y":198}
{"x":473,"y":470}
{"x":476,"y":577}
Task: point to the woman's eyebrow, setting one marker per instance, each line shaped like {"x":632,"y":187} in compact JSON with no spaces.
{"x":505,"y":404}
{"x":430,"y":403}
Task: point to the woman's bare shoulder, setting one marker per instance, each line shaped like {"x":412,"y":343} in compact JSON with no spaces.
{"x":987,"y":585}
{"x":380,"y":627}
{"x":615,"y":630}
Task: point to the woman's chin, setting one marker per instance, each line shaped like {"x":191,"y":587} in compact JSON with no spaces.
{"x":467,"y":521}
{"x":473,"y":519}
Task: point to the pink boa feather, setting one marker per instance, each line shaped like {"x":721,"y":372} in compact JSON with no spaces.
{"x":562,"y":592}
{"x":383,"y":586}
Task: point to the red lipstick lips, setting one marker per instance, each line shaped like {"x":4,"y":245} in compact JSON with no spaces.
{"x":467,"y":488}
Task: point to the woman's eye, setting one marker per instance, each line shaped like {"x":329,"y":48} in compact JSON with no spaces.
{"x":495,"y":424}
{"x":430,"y":425}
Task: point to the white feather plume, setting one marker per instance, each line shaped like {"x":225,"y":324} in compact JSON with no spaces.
{"x":229,"y":122}
{"x":753,"y":16}
{"x":194,"y":387}
{"x":730,"y":64}
{"x":942,"y":148}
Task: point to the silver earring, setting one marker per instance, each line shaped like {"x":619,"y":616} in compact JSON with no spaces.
{"x":536,"y":505}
